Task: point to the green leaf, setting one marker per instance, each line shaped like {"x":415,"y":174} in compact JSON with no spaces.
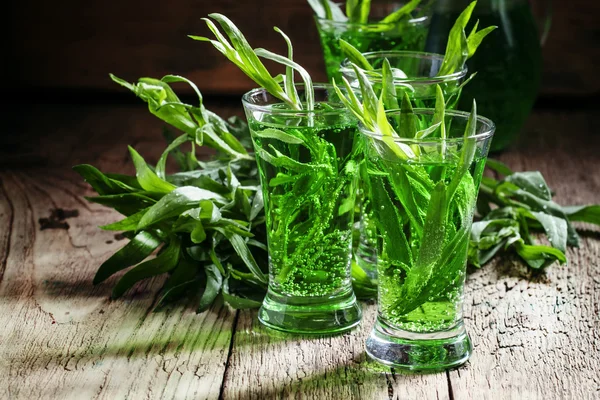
{"x":198,"y":234}
{"x":408,"y":122}
{"x":532,"y":182}
{"x":390,"y":223}
{"x":146,"y":177}
{"x":490,"y":236}
{"x":368,"y":95}
{"x":126,"y":203}
{"x":475,"y":39}
{"x":258,"y":205}
{"x":128,"y":224}
{"x":290,"y":88}
{"x":460,"y":47}
{"x":241,"y":248}
{"x":365,"y":8}
{"x":162,"y":161}
{"x":353,"y":10}
{"x":177,"y":78}
{"x":512,"y":194}
{"x":162,"y":102}
{"x":138,"y":248}
{"x":237,"y":302}
{"x":176,"y":202}
{"x":401,"y":12}
{"x":434,"y":230}
{"x":354,"y":55}
{"x":467,"y":153}
{"x":439,"y":115}
{"x":308,"y":91}
{"x":246,"y":59}
{"x":388,"y":91}
{"x":183,"y":279}
{"x":539,"y":256}
{"x":126,"y":182}
{"x":272,"y":133}
{"x":164,"y":262}
{"x":97,"y":180}
{"x":214,"y":281}
{"x":556,"y":229}
{"x":589,"y":214}
{"x":362,"y":285}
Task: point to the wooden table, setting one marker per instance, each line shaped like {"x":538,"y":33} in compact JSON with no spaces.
{"x":535,"y":336}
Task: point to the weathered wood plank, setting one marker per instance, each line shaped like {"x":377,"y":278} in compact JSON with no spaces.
{"x":536,"y":336}
{"x":63,"y":338}
{"x":265,"y":364}
{"x":68,"y":46}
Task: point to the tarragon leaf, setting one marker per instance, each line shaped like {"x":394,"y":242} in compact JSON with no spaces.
{"x":272,"y":133}
{"x":138,"y":248}
{"x":556,"y":229}
{"x":401,"y":12}
{"x":164,"y":262}
{"x":354,"y":55}
{"x":101,"y":183}
{"x":175,"y":202}
{"x":589,"y":214}
{"x":238,"y":302}
{"x":214,"y":282}
{"x":539,"y":256}
{"x":146,"y":177}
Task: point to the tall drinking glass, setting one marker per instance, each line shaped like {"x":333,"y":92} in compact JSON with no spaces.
{"x":308,"y":177}
{"x":408,"y":33}
{"x":423,"y":209}
{"x":420,"y":73}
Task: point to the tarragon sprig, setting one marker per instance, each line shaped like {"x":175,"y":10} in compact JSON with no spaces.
{"x":206,"y":221}
{"x":459,"y":48}
{"x":237,"y":49}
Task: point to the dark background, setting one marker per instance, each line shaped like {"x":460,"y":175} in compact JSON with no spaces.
{"x":62,"y":52}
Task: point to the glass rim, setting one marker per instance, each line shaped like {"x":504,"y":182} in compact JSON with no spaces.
{"x":488,"y":124}
{"x":413,"y":54}
{"x":413,"y":21}
{"x":248,"y":104}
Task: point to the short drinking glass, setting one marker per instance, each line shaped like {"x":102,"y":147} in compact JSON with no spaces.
{"x":308,"y":177}
{"x":423,"y":210}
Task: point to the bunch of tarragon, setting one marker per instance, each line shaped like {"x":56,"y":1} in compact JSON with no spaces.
{"x":203,"y":226}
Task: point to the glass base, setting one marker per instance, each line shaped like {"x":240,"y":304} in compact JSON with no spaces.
{"x":419,"y":351}
{"x":310,"y":315}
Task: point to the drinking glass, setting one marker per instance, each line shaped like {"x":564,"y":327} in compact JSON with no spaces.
{"x":308,"y":177}
{"x":423,"y":209}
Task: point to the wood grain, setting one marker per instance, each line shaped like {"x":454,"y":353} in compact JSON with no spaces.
{"x":265,"y":364}
{"x":69,"y":46}
{"x":536,"y":335}
{"x":63,"y":338}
